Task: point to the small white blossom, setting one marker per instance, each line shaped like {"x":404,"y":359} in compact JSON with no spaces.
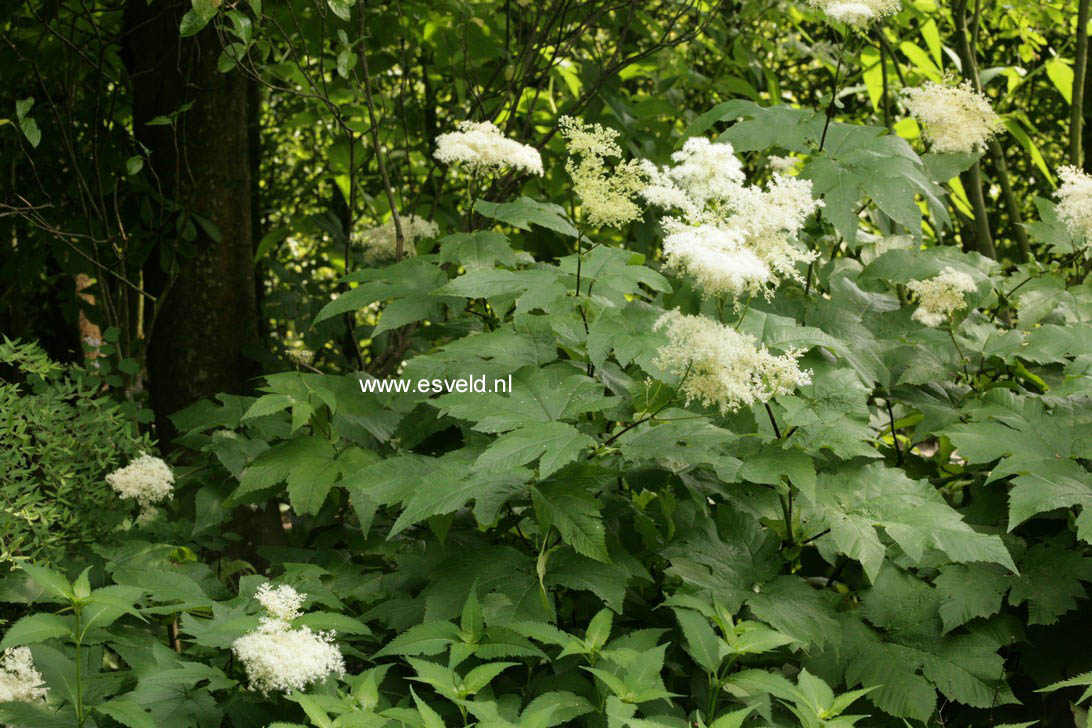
{"x":147,"y":480}
{"x":723,"y":368}
{"x":955,"y":119}
{"x":782,"y":165}
{"x":19,"y":680}
{"x":281,"y":602}
{"x":707,"y":171}
{"x":859,"y":12}
{"x":278,"y":658}
{"x":941,"y":296}
{"x":380,"y":242}
{"x":1075,"y":202}
{"x":482,"y":148}
{"x":301,"y":357}
{"x":606,"y":192}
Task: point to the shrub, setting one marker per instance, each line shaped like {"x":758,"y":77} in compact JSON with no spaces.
{"x":61,"y":437}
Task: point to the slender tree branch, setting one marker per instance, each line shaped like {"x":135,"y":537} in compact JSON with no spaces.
{"x":1080,"y":69}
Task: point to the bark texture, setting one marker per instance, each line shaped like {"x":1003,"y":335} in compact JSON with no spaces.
{"x":207,"y":316}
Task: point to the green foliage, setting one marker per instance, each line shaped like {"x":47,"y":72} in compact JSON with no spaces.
{"x":61,"y":436}
{"x":905,"y":540}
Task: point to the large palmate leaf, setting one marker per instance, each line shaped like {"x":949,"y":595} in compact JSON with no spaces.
{"x":553,"y":393}
{"x":862,"y":497}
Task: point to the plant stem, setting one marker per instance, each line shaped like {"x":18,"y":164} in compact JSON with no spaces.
{"x":1001,"y":171}
{"x":834,"y":90}
{"x":962,"y":359}
{"x":776,"y":429}
{"x":894,"y":436}
{"x":746,"y":308}
{"x":399,"y":239}
{"x":1080,"y":70}
{"x":786,"y":511}
{"x":972,"y":178}
{"x":885,"y":98}
{"x":80,"y":717}
{"x":652,"y":416}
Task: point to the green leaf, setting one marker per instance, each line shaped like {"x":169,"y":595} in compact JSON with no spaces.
{"x":576,"y":516}
{"x":598,"y":631}
{"x":524,"y":212}
{"x":192,"y":23}
{"x":538,"y":395}
{"x":477,"y":679}
{"x":58,"y":670}
{"x":430,"y":717}
{"x":412,"y":279}
{"x":52,"y":581}
{"x":30,"y":130}
{"x":701,"y":641}
{"x":911,"y":512}
{"x":970,"y":591}
{"x":1061,"y":75}
{"x":553,"y":444}
{"x":342,"y":8}
{"x":31,"y":715}
{"x":23,"y":107}
{"x":732,"y":720}
{"x":479,"y":250}
{"x":1052,"y":580}
{"x":306,"y":464}
{"x":35,"y":628}
{"x":127,"y":713}
{"x":430,"y":638}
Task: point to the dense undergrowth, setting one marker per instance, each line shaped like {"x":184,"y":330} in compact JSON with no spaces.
{"x":846,"y":482}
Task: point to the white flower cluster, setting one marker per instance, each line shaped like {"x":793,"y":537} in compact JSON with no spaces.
{"x":941,"y":296}
{"x":606,"y":193}
{"x":783,"y":165}
{"x":282,"y":602}
{"x":1075,"y":202}
{"x":19,"y":680}
{"x":278,"y":658}
{"x":723,"y":368}
{"x":954,"y":118}
{"x":732,"y":237}
{"x":481,"y":147}
{"x":380,"y":242}
{"x":716,"y":257}
{"x":859,"y":12}
{"x":147,"y":480}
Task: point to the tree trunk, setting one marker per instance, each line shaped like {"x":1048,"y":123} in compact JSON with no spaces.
{"x":206,"y":318}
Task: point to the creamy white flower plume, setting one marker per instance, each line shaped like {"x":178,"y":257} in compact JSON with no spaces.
{"x":20,"y":682}
{"x":955,"y":119}
{"x":707,"y":171}
{"x":147,"y":480}
{"x":278,"y":658}
{"x":754,"y":249}
{"x":380,"y":242}
{"x":1075,"y":202}
{"x":717,"y":259}
{"x":723,"y":368}
{"x":606,"y":192}
{"x":482,"y":147}
{"x":941,"y":296}
{"x":281,"y":602}
{"x":859,"y":12}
